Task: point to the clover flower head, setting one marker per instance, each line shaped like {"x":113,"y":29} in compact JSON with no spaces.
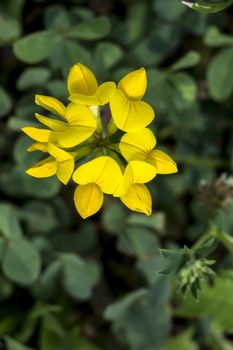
{"x":114,"y":152}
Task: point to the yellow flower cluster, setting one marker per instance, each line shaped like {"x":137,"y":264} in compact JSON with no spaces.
{"x":109,"y":160}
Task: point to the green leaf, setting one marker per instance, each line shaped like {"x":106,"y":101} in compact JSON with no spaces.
{"x":155,"y":47}
{"x":208,"y":6}
{"x":173,"y":260}
{"x":215,"y":38}
{"x":17,"y":183}
{"x":107,"y":55}
{"x":35,"y":47}
{"x":56,"y":17}
{"x":9,"y":29}
{"x":70,"y":53}
{"x":215,"y":303}
{"x":117,"y":310}
{"x":137,"y":241}
{"x":92,"y":29}
{"x":52,"y":334}
{"x":48,"y":282}
{"x":182,"y":341}
{"x":57,"y":88}
{"x":40,"y":217}
{"x":13,"y":344}
{"x":79,"y":277}
{"x":13,"y":8}
{"x":135,"y":23}
{"x":184,"y":90}
{"x":219,"y":77}
{"x":20,"y":154}
{"x":169,"y":10}
{"x":5,"y":102}
{"x":33,"y":77}
{"x":114,"y":217}
{"x":190,"y":59}
{"x":9,"y":222}
{"x":139,"y":314}
{"x":155,"y":222}
{"x":6,"y":290}
{"x":21,"y":262}
{"x":80,"y":243}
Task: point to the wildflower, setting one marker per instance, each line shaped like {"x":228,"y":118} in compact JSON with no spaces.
{"x":78,"y":124}
{"x":99,"y":176}
{"x":140,"y":145}
{"x":108,"y":165}
{"x":128,"y":111}
{"x":132,"y":191}
{"x":58,"y":163}
{"x":84,"y":89}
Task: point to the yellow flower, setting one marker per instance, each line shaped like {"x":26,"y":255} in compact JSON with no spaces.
{"x":59,"y":162}
{"x":83,"y":87}
{"x":140,"y":145}
{"x":132,"y":191}
{"x":128,"y":111}
{"x":78,"y":123}
{"x":80,"y":120}
{"x":99,"y":176}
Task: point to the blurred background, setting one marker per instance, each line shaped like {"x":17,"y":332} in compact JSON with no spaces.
{"x":68,"y":283}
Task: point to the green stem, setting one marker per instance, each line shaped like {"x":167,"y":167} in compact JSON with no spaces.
{"x":209,"y":234}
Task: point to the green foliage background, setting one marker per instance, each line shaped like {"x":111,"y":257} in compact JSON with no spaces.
{"x":67,"y":283}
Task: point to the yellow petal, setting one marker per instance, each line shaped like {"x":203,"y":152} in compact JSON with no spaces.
{"x":45,"y":168}
{"x":65,"y":170}
{"x":139,"y":172}
{"x":105,"y":92}
{"x":38,"y":146}
{"x":77,"y":114}
{"x":59,"y":154}
{"x":134,"y":84}
{"x":130,"y":115}
{"x":88,"y":199}
{"x":73,"y":136}
{"x":51,"y":104}
{"x":89,"y":100}
{"x":138,"y":198}
{"x":136,"y":172}
{"x":65,"y":166}
{"x":41,"y":135}
{"x":81,"y":80}
{"x":136,"y":145}
{"x":53,"y":124}
{"x":103,"y":171}
{"x":163,"y":162}
{"x":103,"y":95}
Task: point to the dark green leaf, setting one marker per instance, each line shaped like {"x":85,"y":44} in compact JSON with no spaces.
{"x":214,"y":303}
{"x":9,"y":29}
{"x":79,"y":277}
{"x":36,"y":46}
{"x":189,"y":60}
{"x":208,"y":6}
{"x":21,"y":263}
{"x":13,"y":344}
{"x":33,"y":77}
{"x":219,"y":77}
{"x":92,"y":29}
{"x":215,"y":38}
{"x":169,"y":9}
{"x":5,"y":102}
{"x":9,"y":221}
{"x":137,"y":241}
